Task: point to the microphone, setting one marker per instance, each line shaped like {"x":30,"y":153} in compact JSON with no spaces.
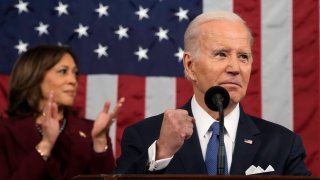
{"x":217,"y":99}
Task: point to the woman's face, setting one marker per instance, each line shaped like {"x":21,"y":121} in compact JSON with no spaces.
{"x":62,"y":80}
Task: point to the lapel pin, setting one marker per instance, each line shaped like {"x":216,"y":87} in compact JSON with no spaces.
{"x":248,"y":141}
{"x":82,"y":134}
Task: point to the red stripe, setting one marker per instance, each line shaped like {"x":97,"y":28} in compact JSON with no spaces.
{"x":183,"y":91}
{"x":306,"y":78}
{"x":133,"y":89}
{"x":4,"y":84}
{"x":250,"y":11}
{"x":80,"y":101}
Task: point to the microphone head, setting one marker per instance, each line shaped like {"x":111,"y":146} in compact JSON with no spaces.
{"x":215,"y":94}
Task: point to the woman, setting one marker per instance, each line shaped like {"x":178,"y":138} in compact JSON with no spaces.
{"x":43,"y":138}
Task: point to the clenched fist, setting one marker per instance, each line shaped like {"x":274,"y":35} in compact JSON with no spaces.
{"x":176,"y":127}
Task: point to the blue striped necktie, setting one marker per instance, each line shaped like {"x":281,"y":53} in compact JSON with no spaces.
{"x":212,"y":151}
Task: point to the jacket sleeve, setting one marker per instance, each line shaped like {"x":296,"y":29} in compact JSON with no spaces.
{"x":103,"y":163}
{"x":33,"y":159}
{"x":295,"y":164}
{"x":134,"y":156}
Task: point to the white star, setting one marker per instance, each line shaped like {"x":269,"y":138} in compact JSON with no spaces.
{"x":122,"y":32}
{"x":22,"y":6}
{"x":102,"y":10}
{"x":162,"y":34}
{"x":42,"y":28}
{"x":141,"y":53}
{"x":62,"y":45}
{"x":179,"y":54}
{"x":62,"y":8}
{"x":182,"y":14}
{"x":142,"y":13}
{"x":22,"y":47}
{"x":101,"y":51}
{"x":82,"y":30}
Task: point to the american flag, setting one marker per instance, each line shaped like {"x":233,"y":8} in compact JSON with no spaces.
{"x":133,"y":48}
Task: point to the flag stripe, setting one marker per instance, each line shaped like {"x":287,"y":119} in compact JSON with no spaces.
{"x":4,"y":80}
{"x":133,"y":89}
{"x":80,"y":100}
{"x":211,"y":5}
{"x":306,"y":77}
{"x":250,"y":11}
{"x":160,"y":91}
{"x":276,"y":62}
{"x":183,"y":91}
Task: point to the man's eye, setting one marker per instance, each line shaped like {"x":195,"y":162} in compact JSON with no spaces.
{"x":243,"y":57}
{"x":220,"y":54}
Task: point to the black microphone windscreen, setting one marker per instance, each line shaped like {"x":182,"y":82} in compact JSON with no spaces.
{"x":212,"y":96}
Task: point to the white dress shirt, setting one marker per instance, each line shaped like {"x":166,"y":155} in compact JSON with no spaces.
{"x":203,"y":122}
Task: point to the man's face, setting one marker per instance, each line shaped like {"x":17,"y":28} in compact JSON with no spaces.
{"x":224,"y":58}
{"x":62,"y":80}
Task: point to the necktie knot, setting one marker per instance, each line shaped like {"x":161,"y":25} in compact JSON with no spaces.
{"x":215,"y":128}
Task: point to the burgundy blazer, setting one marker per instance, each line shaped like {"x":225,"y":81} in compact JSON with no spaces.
{"x":72,"y":154}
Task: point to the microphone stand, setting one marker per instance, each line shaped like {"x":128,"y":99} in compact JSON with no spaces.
{"x":217,"y":98}
{"x":221,"y":151}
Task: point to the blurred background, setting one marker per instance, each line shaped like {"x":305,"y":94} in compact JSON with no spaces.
{"x":133,"y":48}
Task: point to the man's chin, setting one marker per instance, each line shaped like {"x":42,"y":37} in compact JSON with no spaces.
{"x":234,"y":99}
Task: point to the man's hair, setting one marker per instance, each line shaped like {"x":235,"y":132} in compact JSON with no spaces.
{"x":193,"y":31}
{"x":27,"y":75}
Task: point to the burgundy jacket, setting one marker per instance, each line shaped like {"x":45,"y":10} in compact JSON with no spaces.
{"x":72,"y":154}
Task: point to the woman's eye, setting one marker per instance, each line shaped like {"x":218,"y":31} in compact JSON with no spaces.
{"x":63,"y":71}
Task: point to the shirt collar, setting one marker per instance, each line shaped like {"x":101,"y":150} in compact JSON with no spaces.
{"x":203,"y":120}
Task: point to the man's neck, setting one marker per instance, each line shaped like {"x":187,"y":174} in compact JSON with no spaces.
{"x":215,"y":114}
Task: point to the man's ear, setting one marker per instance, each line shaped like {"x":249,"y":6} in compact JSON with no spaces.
{"x":188,"y":65}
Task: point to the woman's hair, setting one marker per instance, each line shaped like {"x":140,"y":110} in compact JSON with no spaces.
{"x":27,"y":75}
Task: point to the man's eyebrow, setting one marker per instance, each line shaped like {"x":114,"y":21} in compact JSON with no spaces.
{"x":221,"y":50}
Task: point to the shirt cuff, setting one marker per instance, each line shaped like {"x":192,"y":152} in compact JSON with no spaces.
{"x":159,"y":164}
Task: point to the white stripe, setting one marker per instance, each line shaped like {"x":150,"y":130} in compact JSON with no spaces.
{"x":99,"y":89}
{"x":210,"y":5}
{"x":160,"y":95}
{"x":276,"y":64}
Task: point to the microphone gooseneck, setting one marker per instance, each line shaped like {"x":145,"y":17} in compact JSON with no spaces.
{"x":217,"y":99}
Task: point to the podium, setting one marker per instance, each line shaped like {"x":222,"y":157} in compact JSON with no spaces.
{"x":187,"y":177}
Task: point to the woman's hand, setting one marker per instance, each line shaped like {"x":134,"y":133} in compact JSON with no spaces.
{"x":102,"y":124}
{"x":49,"y":124}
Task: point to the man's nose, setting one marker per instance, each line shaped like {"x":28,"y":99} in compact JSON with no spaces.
{"x":233,"y":65}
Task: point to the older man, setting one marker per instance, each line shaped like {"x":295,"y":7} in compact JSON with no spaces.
{"x":218,"y":52}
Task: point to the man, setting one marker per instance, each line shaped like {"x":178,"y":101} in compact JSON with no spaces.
{"x":218,"y":52}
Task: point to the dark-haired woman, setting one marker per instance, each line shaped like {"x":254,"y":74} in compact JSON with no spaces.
{"x":43,"y":138}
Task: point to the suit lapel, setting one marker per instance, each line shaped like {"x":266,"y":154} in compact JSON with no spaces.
{"x":246,"y":145}
{"x":24,"y":132}
{"x":190,"y":155}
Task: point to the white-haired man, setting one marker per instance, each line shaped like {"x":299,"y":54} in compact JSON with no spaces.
{"x":218,"y":52}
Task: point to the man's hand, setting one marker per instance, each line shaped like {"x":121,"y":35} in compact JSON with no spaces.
{"x":176,"y":127}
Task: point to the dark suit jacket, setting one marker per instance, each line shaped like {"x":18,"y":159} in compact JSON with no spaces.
{"x":72,"y":154}
{"x":272,"y":145}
